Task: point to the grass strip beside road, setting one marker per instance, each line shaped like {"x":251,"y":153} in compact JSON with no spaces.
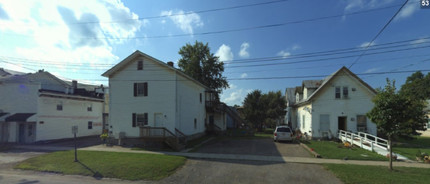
{"x":334,"y":150}
{"x":378,"y":174}
{"x":128,"y":166}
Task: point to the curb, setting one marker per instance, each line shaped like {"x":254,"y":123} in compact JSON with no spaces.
{"x":316,"y":155}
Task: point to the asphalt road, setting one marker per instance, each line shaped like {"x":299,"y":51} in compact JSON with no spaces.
{"x":198,"y":170}
{"x":228,"y":171}
{"x":254,"y":147}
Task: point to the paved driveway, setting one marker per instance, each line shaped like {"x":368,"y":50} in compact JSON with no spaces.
{"x":254,"y":147}
{"x":228,"y":171}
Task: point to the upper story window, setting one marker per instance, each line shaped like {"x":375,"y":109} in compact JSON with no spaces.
{"x":140,"y":89}
{"x":337,"y":92}
{"x":139,"y":65}
{"x":90,"y":107}
{"x":200,"y":97}
{"x":90,"y":125}
{"x":195,"y":123}
{"x":60,"y":106}
{"x":345,"y":92}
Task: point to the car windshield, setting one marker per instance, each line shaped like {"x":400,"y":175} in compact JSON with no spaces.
{"x":283,"y":129}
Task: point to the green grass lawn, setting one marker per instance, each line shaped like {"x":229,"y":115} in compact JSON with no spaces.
{"x":410,"y":152}
{"x":417,"y":142}
{"x":378,"y":174}
{"x":410,"y":147}
{"x":129,"y":166}
{"x":333,"y":150}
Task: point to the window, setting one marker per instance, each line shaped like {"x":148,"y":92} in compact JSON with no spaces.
{"x":140,"y":65}
{"x":195,"y":123}
{"x":361,"y":123}
{"x":141,"y":89}
{"x":345,"y":92}
{"x":30,"y":130}
{"x":303,"y":121}
{"x":337,"y":93}
{"x":90,"y":107}
{"x":140,"y":119}
{"x":324,"y":122}
{"x":200,"y":97}
{"x":60,"y":106}
{"x":90,"y":125}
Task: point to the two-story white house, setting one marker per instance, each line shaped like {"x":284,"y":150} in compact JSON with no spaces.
{"x":320,"y":108}
{"x":39,"y":107}
{"x":147,"y":95}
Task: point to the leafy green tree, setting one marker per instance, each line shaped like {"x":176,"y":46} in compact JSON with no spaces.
{"x":259,"y":108}
{"x":198,"y":62}
{"x":396,"y":114}
{"x":417,"y":86}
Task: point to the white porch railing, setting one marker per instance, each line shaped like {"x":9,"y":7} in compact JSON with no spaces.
{"x":364,"y":140}
{"x":368,"y":142}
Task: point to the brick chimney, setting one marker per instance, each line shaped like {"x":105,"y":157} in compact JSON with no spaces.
{"x":170,"y":63}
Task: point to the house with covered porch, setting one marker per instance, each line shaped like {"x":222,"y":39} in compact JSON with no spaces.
{"x":320,"y":108}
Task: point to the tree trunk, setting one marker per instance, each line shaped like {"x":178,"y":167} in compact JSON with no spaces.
{"x":391,"y":152}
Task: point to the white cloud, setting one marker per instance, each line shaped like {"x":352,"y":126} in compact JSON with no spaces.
{"x":365,"y":44}
{"x":370,"y":70}
{"x":244,"y":50}
{"x":296,"y":47}
{"x":234,"y":97}
{"x":284,"y":53}
{"x":185,"y":21}
{"x":355,"y":5}
{"x":232,"y":86}
{"x":244,"y":75}
{"x":57,"y":32}
{"x":408,"y":10}
{"x":419,"y":41}
{"x":224,"y":53}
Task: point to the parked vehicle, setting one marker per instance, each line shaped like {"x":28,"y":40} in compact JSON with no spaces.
{"x":282,"y":133}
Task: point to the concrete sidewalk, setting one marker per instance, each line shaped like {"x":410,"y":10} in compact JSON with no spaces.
{"x":283,"y":159}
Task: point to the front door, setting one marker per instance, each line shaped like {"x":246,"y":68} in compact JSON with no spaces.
{"x":211,"y":120}
{"x":158,"y":120}
{"x":21,"y":133}
{"x":341,"y":123}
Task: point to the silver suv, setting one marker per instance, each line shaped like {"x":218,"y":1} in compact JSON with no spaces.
{"x":282,"y":133}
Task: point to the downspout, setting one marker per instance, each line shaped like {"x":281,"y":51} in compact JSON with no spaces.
{"x":176,"y":102}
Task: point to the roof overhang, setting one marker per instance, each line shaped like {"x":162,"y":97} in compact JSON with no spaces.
{"x":138,"y":53}
{"x":20,"y":117}
{"x":67,"y":96}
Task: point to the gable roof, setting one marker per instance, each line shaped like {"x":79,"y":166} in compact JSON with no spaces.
{"x":34,"y":77}
{"x":312,"y":83}
{"x":332,"y":76}
{"x":118,"y":67}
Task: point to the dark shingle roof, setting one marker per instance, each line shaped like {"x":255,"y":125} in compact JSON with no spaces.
{"x":19,"y":117}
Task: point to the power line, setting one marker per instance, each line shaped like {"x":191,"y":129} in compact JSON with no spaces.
{"x":187,"y":13}
{"x":278,"y":77}
{"x":285,"y":63}
{"x":239,"y":29}
{"x":379,"y":33}
{"x":410,"y":42}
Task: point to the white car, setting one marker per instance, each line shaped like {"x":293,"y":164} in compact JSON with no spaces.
{"x":282,"y":133}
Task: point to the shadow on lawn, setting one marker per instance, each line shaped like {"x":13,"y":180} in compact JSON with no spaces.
{"x":96,"y":174}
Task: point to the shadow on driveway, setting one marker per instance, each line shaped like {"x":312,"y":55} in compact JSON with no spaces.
{"x":259,"y":147}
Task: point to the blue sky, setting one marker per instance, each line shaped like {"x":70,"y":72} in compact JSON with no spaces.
{"x":82,"y":39}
